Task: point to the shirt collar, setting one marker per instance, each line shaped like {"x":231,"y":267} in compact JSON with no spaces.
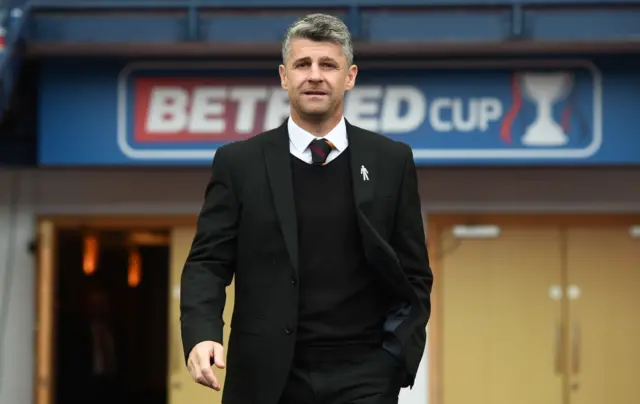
{"x":301,"y":139}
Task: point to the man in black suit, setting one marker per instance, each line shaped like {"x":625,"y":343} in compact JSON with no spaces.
{"x":320,"y":223}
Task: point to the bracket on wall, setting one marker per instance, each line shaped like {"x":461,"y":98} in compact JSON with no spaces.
{"x":517,"y":22}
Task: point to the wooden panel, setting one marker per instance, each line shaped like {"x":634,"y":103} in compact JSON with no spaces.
{"x":45,"y":337}
{"x":500,"y":327}
{"x":604,"y":284}
{"x":182,"y":388}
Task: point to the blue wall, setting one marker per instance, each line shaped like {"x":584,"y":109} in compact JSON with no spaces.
{"x":98,"y":112}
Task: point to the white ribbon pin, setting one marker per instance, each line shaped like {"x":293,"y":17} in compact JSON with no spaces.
{"x":365,"y":173}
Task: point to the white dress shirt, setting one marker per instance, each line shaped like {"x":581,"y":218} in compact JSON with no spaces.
{"x":300,"y":139}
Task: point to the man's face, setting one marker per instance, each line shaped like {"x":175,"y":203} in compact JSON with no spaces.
{"x":316,"y":76}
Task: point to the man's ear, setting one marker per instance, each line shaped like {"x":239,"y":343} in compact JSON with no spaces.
{"x":283,"y":76}
{"x":350,"y":80}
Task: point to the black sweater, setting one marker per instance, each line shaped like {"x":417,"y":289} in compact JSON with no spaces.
{"x":340,"y":302}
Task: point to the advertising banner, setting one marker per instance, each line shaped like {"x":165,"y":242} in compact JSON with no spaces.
{"x":542,"y":113}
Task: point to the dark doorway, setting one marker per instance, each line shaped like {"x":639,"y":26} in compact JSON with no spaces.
{"x":111,"y":337}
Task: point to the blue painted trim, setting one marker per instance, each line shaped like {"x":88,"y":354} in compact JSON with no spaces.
{"x":193,"y":26}
{"x":297,"y":4}
{"x":374,"y":26}
{"x":354,"y":22}
{"x":517,"y":22}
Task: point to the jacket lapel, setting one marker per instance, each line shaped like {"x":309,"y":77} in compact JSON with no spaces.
{"x":363,"y":168}
{"x":277,"y":158}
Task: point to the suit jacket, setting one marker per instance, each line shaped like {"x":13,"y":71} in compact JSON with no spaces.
{"x":247,"y":228}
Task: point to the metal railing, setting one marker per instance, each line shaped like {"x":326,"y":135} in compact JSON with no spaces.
{"x":15,"y":15}
{"x":296,"y":4}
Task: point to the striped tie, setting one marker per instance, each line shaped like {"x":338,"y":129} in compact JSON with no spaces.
{"x":320,"y":149}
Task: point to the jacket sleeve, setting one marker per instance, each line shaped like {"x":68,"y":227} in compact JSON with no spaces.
{"x":408,"y":237}
{"x":210,"y":264}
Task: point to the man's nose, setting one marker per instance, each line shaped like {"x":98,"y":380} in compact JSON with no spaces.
{"x":315,"y":74}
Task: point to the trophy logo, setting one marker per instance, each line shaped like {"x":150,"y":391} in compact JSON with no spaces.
{"x":546,"y":89}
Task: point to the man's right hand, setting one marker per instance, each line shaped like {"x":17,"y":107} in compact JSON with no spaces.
{"x":199,"y":363}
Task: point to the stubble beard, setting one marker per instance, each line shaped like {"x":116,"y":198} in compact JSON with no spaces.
{"x":315,"y":115}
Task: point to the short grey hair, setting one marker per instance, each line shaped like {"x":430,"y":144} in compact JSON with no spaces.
{"x":319,"y":27}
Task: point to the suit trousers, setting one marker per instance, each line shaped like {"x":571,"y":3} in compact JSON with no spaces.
{"x":343,"y":376}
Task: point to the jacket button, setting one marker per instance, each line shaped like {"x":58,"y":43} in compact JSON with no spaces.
{"x":294,"y":281}
{"x":288,"y":330}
